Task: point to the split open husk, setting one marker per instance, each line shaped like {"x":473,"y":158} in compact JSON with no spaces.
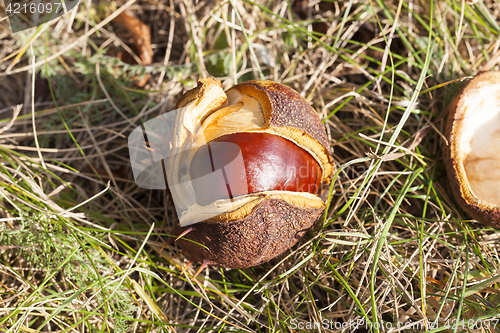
{"x":250,"y":229}
{"x":472,"y":155}
{"x":208,"y":112}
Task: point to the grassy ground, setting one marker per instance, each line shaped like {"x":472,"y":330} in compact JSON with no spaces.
{"x":81,"y":243}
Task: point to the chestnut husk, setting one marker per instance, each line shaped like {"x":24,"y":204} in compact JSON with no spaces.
{"x":271,"y":228}
{"x":469,"y":163}
{"x":256,"y":227}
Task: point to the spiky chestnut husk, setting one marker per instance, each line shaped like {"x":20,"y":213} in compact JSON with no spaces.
{"x":253,"y":228}
{"x":472,"y":155}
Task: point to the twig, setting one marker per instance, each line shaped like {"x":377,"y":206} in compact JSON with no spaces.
{"x":15,"y":113}
{"x":37,"y":144}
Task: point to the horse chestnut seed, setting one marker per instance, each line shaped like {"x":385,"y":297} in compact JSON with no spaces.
{"x":271,"y":163}
{"x":274,"y":156}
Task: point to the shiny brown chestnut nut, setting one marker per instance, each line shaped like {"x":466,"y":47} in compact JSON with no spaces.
{"x":272,"y":154}
{"x":472,"y":156}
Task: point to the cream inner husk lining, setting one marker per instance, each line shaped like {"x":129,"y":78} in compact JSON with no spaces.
{"x":480,"y":143}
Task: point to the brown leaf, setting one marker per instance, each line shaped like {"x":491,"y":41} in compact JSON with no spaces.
{"x":141,"y":35}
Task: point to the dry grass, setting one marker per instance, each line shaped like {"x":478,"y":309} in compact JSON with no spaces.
{"x":80,"y":242}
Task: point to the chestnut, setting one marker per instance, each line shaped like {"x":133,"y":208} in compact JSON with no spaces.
{"x":271,"y":163}
{"x":272,"y":154}
{"x":472,"y":155}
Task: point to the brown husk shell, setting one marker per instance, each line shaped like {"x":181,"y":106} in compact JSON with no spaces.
{"x":481,"y":210}
{"x":288,"y":108}
{"x":270,"y":229}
